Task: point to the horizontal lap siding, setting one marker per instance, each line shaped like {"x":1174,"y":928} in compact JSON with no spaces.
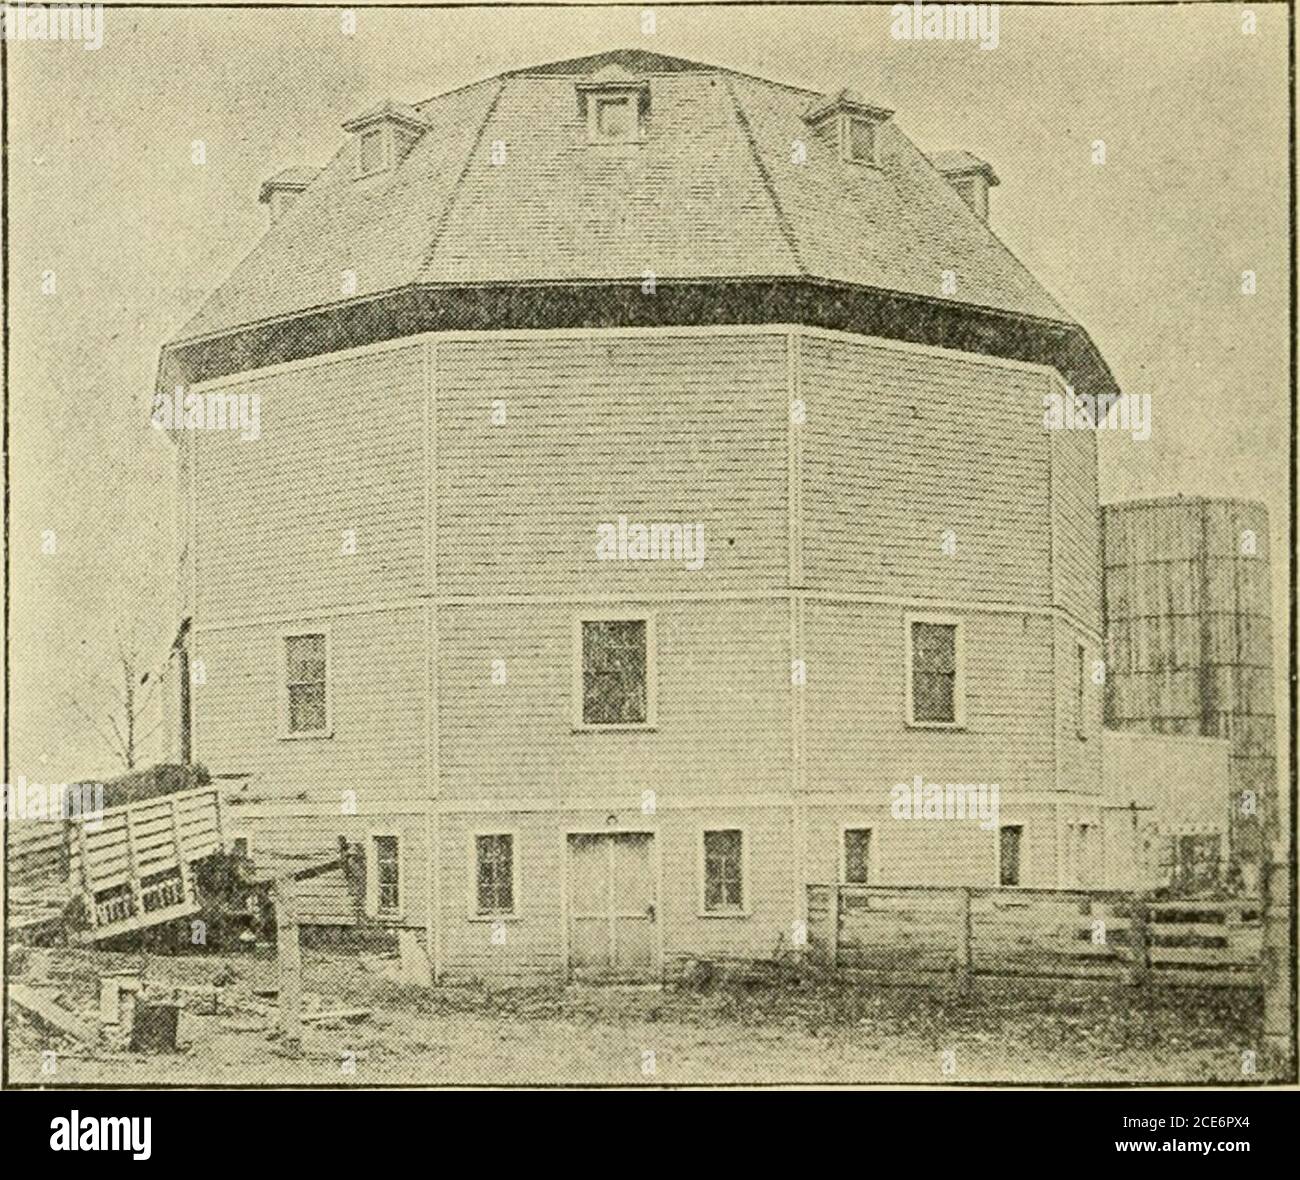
{"x":722,"y":675}
{"x":378,"y":702}
{"x":857,"y":739}
{"x":931,"y":852}
{"x":533,"y":942}
{"x":341,"y":448}
{"x":773,"y":899}
{"x":665,"y":429}
{"x":281,"y":844}
{"x":901,"y":446}
{"x":1076,"y":559}
{"x":1079,"y":759}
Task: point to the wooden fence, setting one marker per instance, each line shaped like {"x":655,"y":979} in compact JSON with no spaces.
{"x":928,"y":933}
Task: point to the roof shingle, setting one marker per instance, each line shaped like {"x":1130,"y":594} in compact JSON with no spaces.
{"x":712,"y":191}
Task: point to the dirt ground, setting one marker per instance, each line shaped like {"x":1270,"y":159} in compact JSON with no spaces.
{"x":808,"y":1032}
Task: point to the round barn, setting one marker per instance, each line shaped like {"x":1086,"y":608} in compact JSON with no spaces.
{"x":648,"y":476}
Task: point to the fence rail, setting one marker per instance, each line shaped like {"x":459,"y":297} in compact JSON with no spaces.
{"x":915,"y":933}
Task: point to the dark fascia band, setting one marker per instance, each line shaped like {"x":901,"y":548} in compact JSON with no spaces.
{"x":838,"y":306}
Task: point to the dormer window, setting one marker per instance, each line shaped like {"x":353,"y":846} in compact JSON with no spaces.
{"x":374,"y":151}
{"x":615,"y":105}
{"x":862,"y":140}
{"x":970,"y":176}
{"x":853,"y":124}
{"x":284,"y":188}
{"x":384,"y":135}
{"x":615,"y":118}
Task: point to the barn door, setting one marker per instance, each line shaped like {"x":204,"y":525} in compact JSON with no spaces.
{"x":612,"y":906}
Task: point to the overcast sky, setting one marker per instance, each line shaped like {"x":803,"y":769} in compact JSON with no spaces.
{"x":1146,"y":251}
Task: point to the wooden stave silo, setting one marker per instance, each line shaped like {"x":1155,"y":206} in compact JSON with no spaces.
{"x":1188,"y":629}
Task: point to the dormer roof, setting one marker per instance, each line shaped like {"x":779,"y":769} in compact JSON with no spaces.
{"x":388,"y":111}
{"x":294,"y":179}
{"x":846,"y":102}
{"x":962,"y":163}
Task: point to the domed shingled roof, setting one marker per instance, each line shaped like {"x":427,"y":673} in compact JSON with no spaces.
{"x":710,"y":192}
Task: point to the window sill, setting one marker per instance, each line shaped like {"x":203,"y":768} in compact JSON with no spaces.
{"x":722,"y":914}
{"x":315,"y":735}
{"x":951,"y":726}
{"x":395,"y":918}
{"x":496,"y":917}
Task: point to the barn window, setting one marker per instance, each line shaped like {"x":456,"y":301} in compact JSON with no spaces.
{"x":616,"y":686}
{"x":386,"y":893}
{"x":857,"y":856}
{"x":1009,"y":840}
{"x":724,"y":871}
{"x":305,"y":697}
{"x":934,"y":678}
{"x":494,"y":874}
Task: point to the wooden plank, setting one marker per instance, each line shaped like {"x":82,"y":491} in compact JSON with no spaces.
{"x":349,"y":1014}
{"x":833,"y":926}
{"x":44,"y":1009}
{"x":139,"y":922}
{"x":1192,"y":977}
{"x":1139,"y":942}
{"x":187,"y":885}
{"x":88,"y":889}
{"x":107,"y":862}
{"x":1215,"y":956}
{"x":289,"y":958}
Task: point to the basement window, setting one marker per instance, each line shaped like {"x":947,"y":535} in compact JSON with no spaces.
{"x":615,"y":688}
{"x":384,"y":886}
{"x":857,"y":856}
{"x":304,"y":698}
{"x":934,"y":671}
{"x":1010,"y":837}
{"x":495,"y":875}
{"x":723,"y":851}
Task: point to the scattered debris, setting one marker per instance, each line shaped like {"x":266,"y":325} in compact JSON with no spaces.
{"x":43,"y":1008}
{"x":351,"y":1015}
